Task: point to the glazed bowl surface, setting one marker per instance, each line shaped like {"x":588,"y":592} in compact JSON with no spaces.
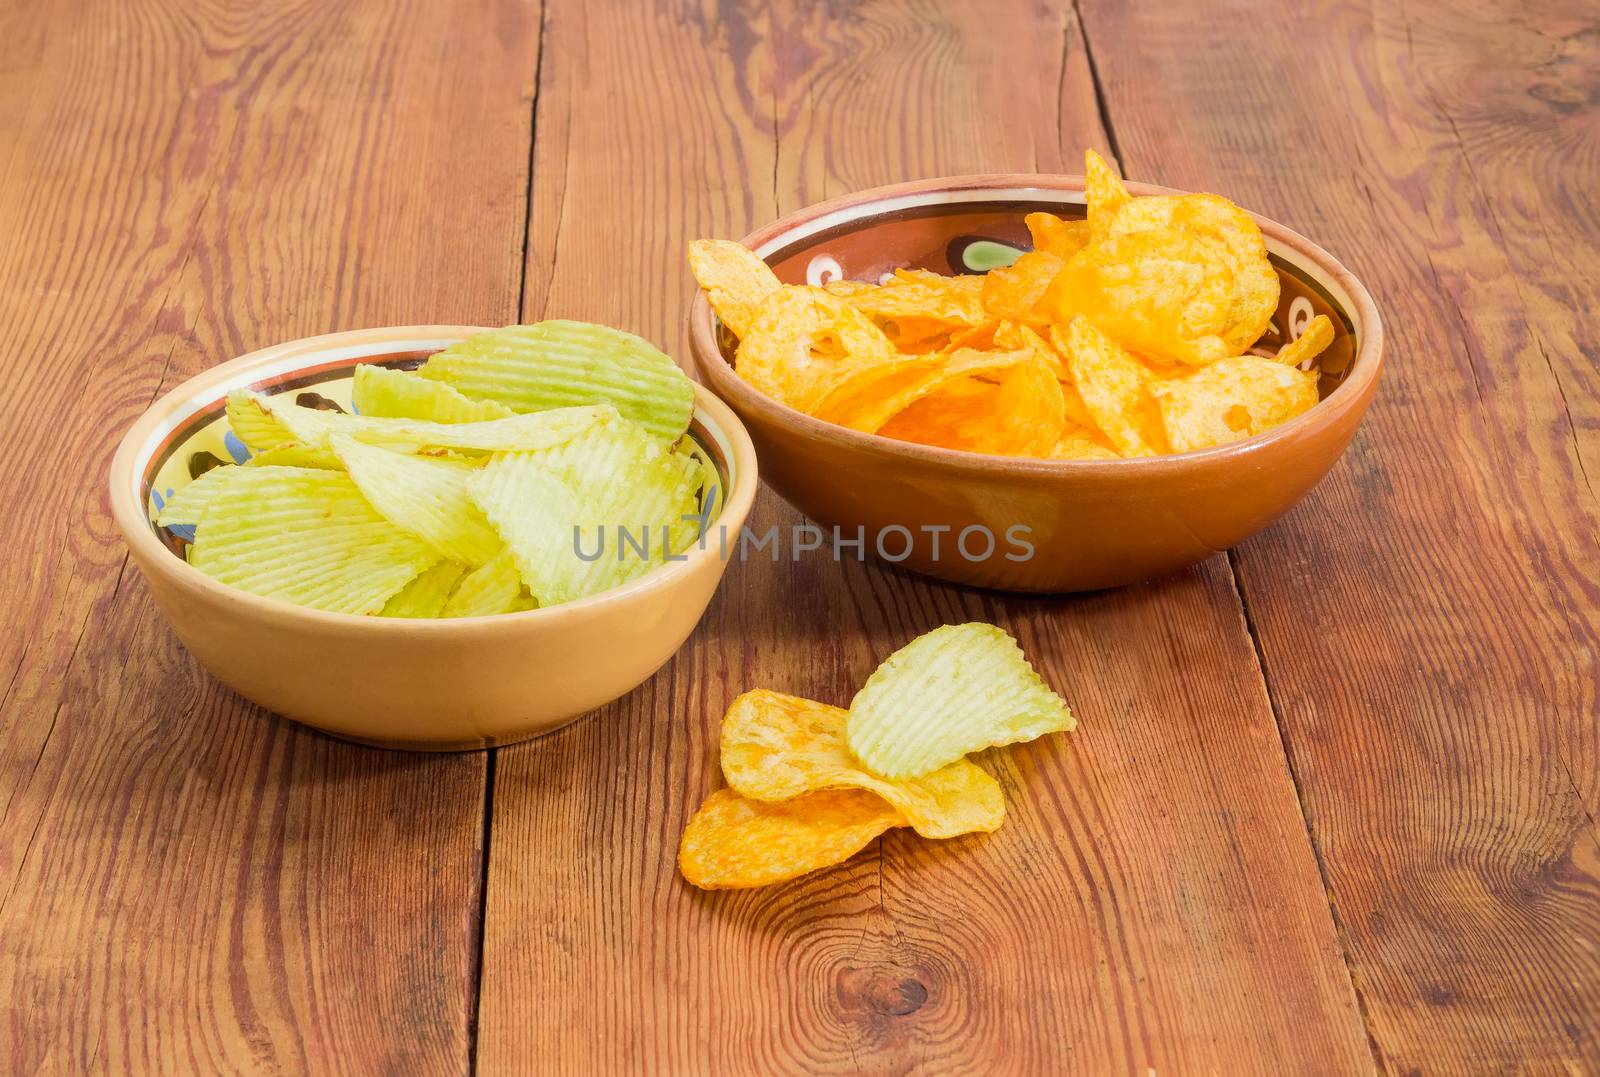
{"x":1034,"y":525}
{"x":442,"y":684}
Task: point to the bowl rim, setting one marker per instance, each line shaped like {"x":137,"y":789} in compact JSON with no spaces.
{"x":141,"y":439}
{"x":860,"y":206}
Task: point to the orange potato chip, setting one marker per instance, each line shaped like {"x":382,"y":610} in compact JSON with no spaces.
{"x":1030,"y":412}
{"x":1014,"y":291}
{"x":1230,"y":400}
{"x":798,"y":338}
{"x":1311,"y":342}
{"x":951,"y":418}
{"x":865,"y":397}
{"x":980,"y":337}
{"x":918,"y":336}
{"x":1113,"y":384}
{"x":966,"y":283}
{"x":1055,"y":236}
{"x":1102,"y":191}
{"x":1163,"y":292}
{"x":1018,"y":336}
{"x":914,"y":294}
{"x":1240,"y":247}
{"x":1021,"y":415}
{"x":844,"y":289}
{"x":734,"y":842}
{"x":1083,"y":443}
{"x":776,"y":747}
{"x":735,"y":279}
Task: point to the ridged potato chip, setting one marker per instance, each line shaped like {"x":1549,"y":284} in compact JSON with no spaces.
{"x":397,"y":394}
{"x":556,"y":509}
{"x":1016,"y":290}
{"x":1164,"y":293}
{"x":1113,"y":385}
{"x":776,"y":747}
{"x":1232,"y":399}
{"x":305,"y":536}
{"x":425,"y":596}
{"x":295,"y":454}
{"x":734,"y":278}
{"x":427,"y":497}
{"x":493,"y":587}
{"x":560,"y":364}
{"x":734,"y":842}
{"x":519,"y":433}
{"x":1103,"y":193}
{"x":1056,"y":236}
{"x":1312,"y":342}
{"x":187,"y":505}
{"x":955,"y":690}
{"x":252,"y":424}
{"x":1238,"y":244}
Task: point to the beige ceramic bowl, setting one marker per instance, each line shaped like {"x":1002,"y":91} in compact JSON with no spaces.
{"x":1089,"y":524}
{"x":434,"y":684}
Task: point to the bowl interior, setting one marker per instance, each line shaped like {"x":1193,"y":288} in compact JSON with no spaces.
{"x":196,"y":437}
{"x":979,"y":228}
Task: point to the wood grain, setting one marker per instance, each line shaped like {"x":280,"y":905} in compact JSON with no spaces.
{"x":187,"y":884}
{"x":1152,"y":902}
{"x":1430,"y":618}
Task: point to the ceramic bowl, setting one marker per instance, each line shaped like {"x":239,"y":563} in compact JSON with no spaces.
{"x":1085,"y":524}
{"x":420,"y":684}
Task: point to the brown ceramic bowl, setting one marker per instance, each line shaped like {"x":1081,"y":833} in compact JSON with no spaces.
{"x":1091,"y":524}
{"x":462,"y":683}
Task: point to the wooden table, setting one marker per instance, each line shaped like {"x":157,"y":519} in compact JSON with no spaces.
{"x":1333,"y":804}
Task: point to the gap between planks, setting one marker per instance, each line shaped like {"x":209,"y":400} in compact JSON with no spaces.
{"x":1248,"y":618}
{"x":485,"y":842}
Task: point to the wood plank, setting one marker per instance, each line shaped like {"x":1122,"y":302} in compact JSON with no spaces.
{"x":1152,"y":900}
{"x":187,"y":884}
{"x":1430,"y":618}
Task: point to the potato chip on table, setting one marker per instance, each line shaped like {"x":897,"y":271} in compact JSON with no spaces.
{"x":956,"y":690}
{"x":733,"y":841}
{"x":777,"y":747}
{"x":803,"y":795}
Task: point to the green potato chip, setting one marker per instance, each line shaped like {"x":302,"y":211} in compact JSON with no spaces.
{"x":305,"y":536}
{"x":379,"y":392}
{"x":555,"y":364}
{"x":493,"y":587}
{"x":955,"y":690}
{"x":592,"y":513}
{"x":422,"y":495}
{"x":425,"y":596}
